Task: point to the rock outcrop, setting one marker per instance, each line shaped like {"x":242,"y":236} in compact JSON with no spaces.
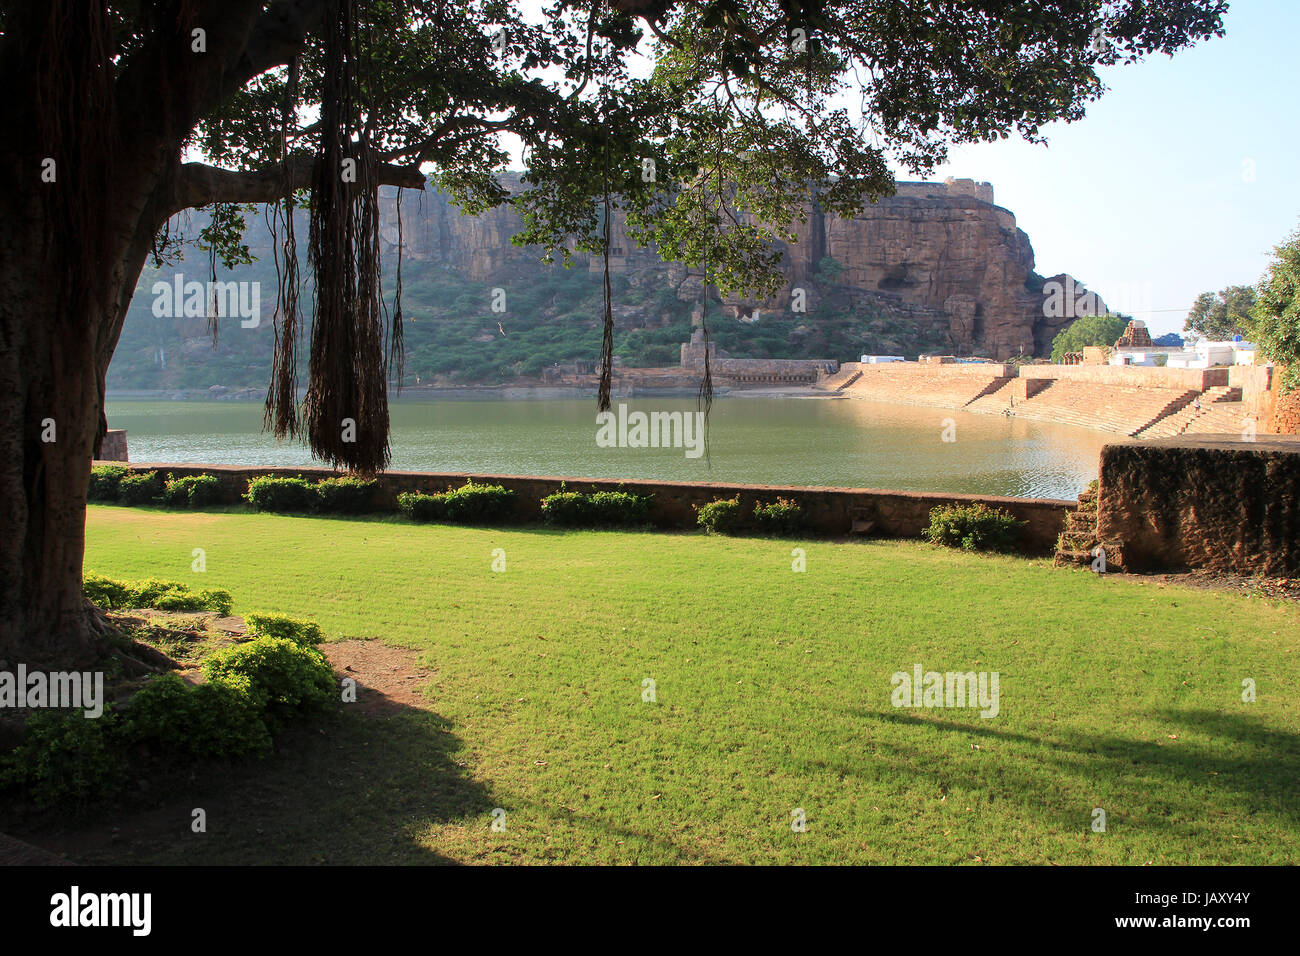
{"x":940,"y":255}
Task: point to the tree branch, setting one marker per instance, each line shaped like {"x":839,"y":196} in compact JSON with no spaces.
{"x":200,"y":184}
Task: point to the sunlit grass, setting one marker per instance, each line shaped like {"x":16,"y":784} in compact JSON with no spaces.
{"x":773,"y":694}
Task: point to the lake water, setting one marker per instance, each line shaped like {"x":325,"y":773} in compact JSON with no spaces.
{"x":786,"y":441}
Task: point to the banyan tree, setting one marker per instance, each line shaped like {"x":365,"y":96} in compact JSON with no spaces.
{"x":707,"y":124}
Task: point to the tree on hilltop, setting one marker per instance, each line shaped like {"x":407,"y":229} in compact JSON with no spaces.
{"x":121,"y":115}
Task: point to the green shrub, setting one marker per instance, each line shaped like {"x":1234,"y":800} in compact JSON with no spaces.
{"x":222,"y":718}
{"x":974,"y":527}
{"x":421,"y":507}
{"x":104,"y":482}
{"x":345,"y":495}
{"x":620,"y":508}
{"x":469,"y":504}
{"x":270,"y":493}
{"x":721,"y":516}
{"x":601,"y":508}
{"x":478,"y":504}
{"x":140,"y":488}
{"x":105,"y":592}
{"x":286,"y":678}
{"x":66,"y":757}
{"x":568,"y":508}
{"x":192,"y":491}
{"x":306,"y":633}
{"x":782,"y":516}
{"x":162,"y":595}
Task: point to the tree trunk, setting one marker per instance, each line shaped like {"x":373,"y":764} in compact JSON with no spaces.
{"x":50,"y":402}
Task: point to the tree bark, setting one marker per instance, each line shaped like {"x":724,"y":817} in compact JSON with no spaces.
{"x":54,"y":359}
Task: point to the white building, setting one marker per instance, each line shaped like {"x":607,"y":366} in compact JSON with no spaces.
{"x":1198,"y":355}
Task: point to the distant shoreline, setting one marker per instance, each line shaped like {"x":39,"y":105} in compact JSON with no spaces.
{"x":478,"y":393}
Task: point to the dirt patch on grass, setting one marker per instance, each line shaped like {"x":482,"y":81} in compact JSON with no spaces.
{"x":388,"y":678}
{"x":1248,"y":585}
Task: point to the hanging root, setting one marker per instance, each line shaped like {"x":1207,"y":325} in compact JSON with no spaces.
{"x":346,"y":409}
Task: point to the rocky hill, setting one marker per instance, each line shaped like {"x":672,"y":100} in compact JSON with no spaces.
{"x":937,"y":267}
{"x":939,"y":255}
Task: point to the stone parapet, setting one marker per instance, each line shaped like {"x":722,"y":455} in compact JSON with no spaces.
{"x":830,"y":511}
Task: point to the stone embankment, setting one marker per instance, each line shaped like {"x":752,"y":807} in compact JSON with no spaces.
{"x":1131,"y":401}
{"x":831,"y":512}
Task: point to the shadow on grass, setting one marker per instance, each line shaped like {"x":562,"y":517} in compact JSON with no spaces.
{"x":354,"y":789}
{"x":1245,"y":765}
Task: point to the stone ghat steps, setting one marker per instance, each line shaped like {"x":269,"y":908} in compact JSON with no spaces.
{"x":839,"y":381}
{"x":1219,"y":414}
{"x":995,"y":401}
{"x":921,"y":386}
{"x":1121,"y":409}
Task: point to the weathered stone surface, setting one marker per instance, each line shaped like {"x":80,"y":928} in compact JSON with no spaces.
{"x":936,"y":253}
{"x":1215,"y":502}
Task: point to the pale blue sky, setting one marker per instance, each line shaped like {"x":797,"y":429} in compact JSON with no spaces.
{"x":1181,"y":178}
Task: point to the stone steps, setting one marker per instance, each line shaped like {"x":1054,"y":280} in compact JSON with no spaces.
{"x":1077,"y":543}
{"x":910,"y":384}
{"x":1218,"y":414}
{"x":1120,"y":409}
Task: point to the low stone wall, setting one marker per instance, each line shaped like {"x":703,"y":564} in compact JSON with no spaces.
{"x":1215,"y":502}
{"x":1135,"y":376}
{"x":1285,"y":419}
{"x":830,"y":511}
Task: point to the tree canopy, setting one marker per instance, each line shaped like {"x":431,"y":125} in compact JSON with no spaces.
{"x":1088,"y":330}
{"x":1218,"y":316}
{"x":709,"y":124}
{"x":1275,"y":325}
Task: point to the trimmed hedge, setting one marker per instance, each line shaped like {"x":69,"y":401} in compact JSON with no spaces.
{"x":469,"y":504}
{"x":287,"y":679}
{"x":607,"y":509}
{"x":974,"y":527}
{"x":161,"y":595}
{"x":421,"y":507}
{"x":271,"y":493}
{"x":140,"y":488}
{"x":105,"y":481}
{"x":345,"y":495}
{"x":191,"y":491}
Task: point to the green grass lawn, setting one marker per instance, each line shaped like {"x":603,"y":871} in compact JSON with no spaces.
{"x":773,"y":694}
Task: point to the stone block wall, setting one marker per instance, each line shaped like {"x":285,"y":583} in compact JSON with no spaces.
{"x":830,"y":511}
{"x":114,"y":447}
{"x":1286,"y":415}
{"x":1214,"y":503}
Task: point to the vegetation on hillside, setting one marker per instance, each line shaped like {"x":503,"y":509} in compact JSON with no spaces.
{"x":552,"y":315}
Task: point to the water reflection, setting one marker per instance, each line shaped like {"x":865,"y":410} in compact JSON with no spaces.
{"x":841,"y":442}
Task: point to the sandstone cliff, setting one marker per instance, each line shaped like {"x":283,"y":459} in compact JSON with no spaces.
{"x":942,"y":256}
